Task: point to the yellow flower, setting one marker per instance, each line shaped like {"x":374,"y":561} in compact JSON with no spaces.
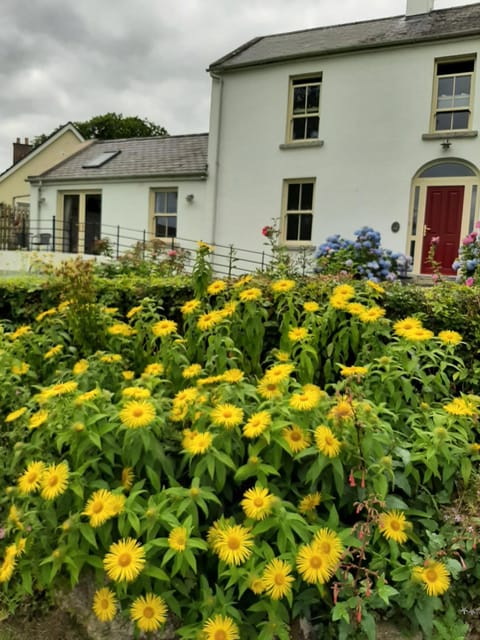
{"x":99,"y":507}
{"x":257,"y":424}
{"x":328,"y":544}
{"x":310,"y":306}
{"x":269,"y":390}
{"x":20,"y":369}
{"x":125,"y":560}
{"x":233,"y":375}
{"x":255,"y":585}
{"x":279,"y":372}
{"x":372,"y":314}
{"x":216,"y":287}
{"x":345,"y":291}
{"x":348,"y":372}
{"x":128,"y":375}
{"x":249,"y":295}
{"x":127,"y":478}
{"x":37,"y":419}
{"x":406,"y":325}
{"x":233,"y":544}
{"x":14,"y":415}
{"x":44,"y":314}
{"x":450,"y":337}
{"x":282,"y":286}
{"x":80,"y":367}
{"x":342,"y":411}
{"x":60,"y":389}
{"x":356,"y":308}
{"x":104,"y":604}
{"x":54,"y":480}
{"x":111,"y":358}
{"x":21,"y":331}
{"x":121,"y":329}
{"x":418,"y":335}
{"x":177,"y":539}
{"x":242,"y":281}
{"x":226,"y":415}
{"x":277,"y":579}
{"x":164,"y":328}
{"x":8,"y":564}
{"x":78,"y":427}
{"x":110,"y":310}
{"x":313,"y":566}
{"x":153,"y":369}
{"x":306,"y":399}
{"x":309,"y":503}
{"x":192,"y":371}
{"x":475,"y":448}
{"x":149,"y":612}
{"x":118,"y":503}
{"x":296,"y":438}
{"x":210,"y":380}
{"x":133,"y":311}
{"x":189,"y":307}
{"x":338,"y":302}
{"x":228,"y":310}
{"x":257,"y":503}
{"x":30,"y":479}
{"x":392,"y":525}
{"x":208,"y":320}
{"x":137,"y":414}
{"x":196,"y":442}
{"x":375,"y":286}
{"x":220,"y":628}
{"x":435,"y":577}
{"x":282,"y":356}
{"x":137,"y":393}
{"x":14,"y":516}
{"x":87,"y":396}
{"x":326,"y":442}
{"x":53,"y":351}
{"x":297,"y":334}
{"x":460,"y":407}
{"x":204,"y":247}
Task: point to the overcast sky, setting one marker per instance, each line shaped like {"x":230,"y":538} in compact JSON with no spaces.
{"x":67,"y":60}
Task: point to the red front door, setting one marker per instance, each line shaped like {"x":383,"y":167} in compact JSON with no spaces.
{"x":443,"y":221}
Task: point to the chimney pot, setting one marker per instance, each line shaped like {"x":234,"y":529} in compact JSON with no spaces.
{"x":18,"y":140}
{"x":26,"y":140}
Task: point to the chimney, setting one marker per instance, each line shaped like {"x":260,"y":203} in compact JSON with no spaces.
{"x":416,"y":7}
{"x":20,"y":150}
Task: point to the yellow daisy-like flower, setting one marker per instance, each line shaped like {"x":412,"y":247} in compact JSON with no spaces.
{"x":30,"y":480}
{"x":196,"y":442}
{"x":21,"y":331}
{"x":228,"y":310}
{"x":99,"y":507}
{"x":20,"y":369}
{"x":204,"y":247}
{"x":137,"y":414}
{"x":450,"y":337}
{"x":257,"y":503}
{"x":127,"y":478}
{"x":342,"y":411}
{"x":356,"y":308}
{"x":153,"y":369}
{"x":434,"y":576}
{"x":209,"y":320}
{"x":233,"y":376}
{"x":313,"y":566}
{"x":460,"y":407}
{"x":128,"y":375}
{"x":192,"y":371}
{"x":418,"y":335}
{"x":118,"y":503}
{"x":406,"y":325}
{"x":310,"y":502}
{"x":297,"y":334}
{"x":60,"y":389}
{"x":110,"y":310}
{"x":257,"y":424}
{"x":282,"y":356}
{"x":375,"y":286}
{"x":80,"y":367}
{"x":14,"y":516}
{"x":233,"y":544}
{"x":54,"y":480}
{"x":329,"y":545}
{"x":326,"y":442}
{"x":149,"y":612}
{"x":44,"y":314}
{"x":125,"y":560}
{"x":392,"y":525}
{"x":37,"y":419}
{"x":220,"y":628}
{"x":250,"y":295}
{"x":87,"y":396}
{"x":310,"y":306}
{"x":349,"y":372}
{"x":14,"y":415}
{"x":186,"y":396}
{"x":53,"y":351}
{"x":21,"y":544}
{"x":279,"y":372}
{"x":216,"y":287}
{"x":178,"y":538}
{"x":255,"y":585}
{"x":8,"y":565}
{"x":189,"y":307}
{"x":226,"y":415}
{"x":277,"y":579}
{"x":210,"y":380}
{"x":372,"y":314}
{"x":307,"y":399}
{"x":345,"y":291}
{"x":121,"y":329}
{"x":269,"y":389}
{"x":296,"y":438}
{"x":243,"y":280}
{"x":133,"y":311}
{"x":282,"y":286}
{"x":137,"y":393}
{"x":164,"y":328}
{"x":104,"y":604}
{"x":338,"y":302}
{"x":111,"y":358}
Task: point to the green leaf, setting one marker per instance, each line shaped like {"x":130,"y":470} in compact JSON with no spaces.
{"x":88,"y":534}
{"x":156,"y":572}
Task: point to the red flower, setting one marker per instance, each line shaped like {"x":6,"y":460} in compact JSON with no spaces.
{"x":267,"y":231}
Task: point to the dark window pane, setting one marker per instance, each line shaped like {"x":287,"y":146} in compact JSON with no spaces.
{"x":307,"y":196}
{"x":160,"y":202}
{"x":313,"y":80}
{"x":298,"y":129}
{"x":460,"y":120}
{"x":445,"y":93}
{"x":292,"y":227}
{"x":462,"y":92}
{"x":458,"y":66}
{"x":305,"y":226}
{"x":171,"y":202}
{"x":313,"y":97}
{"x":299,"y":100}
{"x":293,"y":200}
{"x":445,"y":170}
{"x":443,"y":121}
{"x":312,"y":127}
{"x":165,"y":226}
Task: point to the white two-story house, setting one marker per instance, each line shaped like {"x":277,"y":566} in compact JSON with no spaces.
{"x":370,"y":123}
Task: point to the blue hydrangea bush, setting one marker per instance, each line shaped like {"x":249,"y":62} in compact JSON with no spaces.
{"x":361,"y":258}
{"x":467,"y":265}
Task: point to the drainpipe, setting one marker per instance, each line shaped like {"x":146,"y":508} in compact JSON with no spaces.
{"x":217,"y":153}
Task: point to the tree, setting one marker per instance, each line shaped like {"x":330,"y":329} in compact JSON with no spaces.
{"x":110,"y":126}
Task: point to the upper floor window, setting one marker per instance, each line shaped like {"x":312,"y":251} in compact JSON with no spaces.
{"x":298,"y":211}
{"x":452,"y":100}
{"x":304,"y":108}
{"x":165,"y":213}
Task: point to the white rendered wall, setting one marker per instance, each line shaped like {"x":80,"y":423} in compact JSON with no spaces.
{"x":374,"y":108}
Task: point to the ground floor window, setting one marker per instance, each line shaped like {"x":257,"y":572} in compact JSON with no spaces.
{"x":81,"y":222}
{"x":165,"y":213}
{"x":298,"y":211}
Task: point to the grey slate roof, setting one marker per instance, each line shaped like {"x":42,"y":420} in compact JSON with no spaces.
{"x":160,"y":156}
{"x":436,"y":25}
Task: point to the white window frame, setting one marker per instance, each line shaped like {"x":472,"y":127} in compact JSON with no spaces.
{"x":436,"y":110}
{"x":154,"y":215}
{"x":310,"y":80}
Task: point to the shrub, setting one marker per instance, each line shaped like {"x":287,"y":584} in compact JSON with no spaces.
{"x":467,"y":265}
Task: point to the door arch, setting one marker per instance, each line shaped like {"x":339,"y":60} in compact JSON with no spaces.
{"x":444,"y":207}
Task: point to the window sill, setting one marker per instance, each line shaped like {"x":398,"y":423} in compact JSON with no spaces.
{"x":449,"y":134}
{"x":301,"y":145}
{"x":299,"y":247}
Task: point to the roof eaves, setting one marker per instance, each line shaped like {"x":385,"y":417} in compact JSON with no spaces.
{"x":203,"y":174}
{"x":218,"y":63}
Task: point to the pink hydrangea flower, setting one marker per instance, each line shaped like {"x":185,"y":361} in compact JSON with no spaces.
{"x":469,"y":282}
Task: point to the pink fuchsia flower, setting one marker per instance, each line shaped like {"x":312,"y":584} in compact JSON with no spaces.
{"x":435,"y":277}
{"x":469,"y":282}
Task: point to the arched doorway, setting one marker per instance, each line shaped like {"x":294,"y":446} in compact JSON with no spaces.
{"x":444,"y":208}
